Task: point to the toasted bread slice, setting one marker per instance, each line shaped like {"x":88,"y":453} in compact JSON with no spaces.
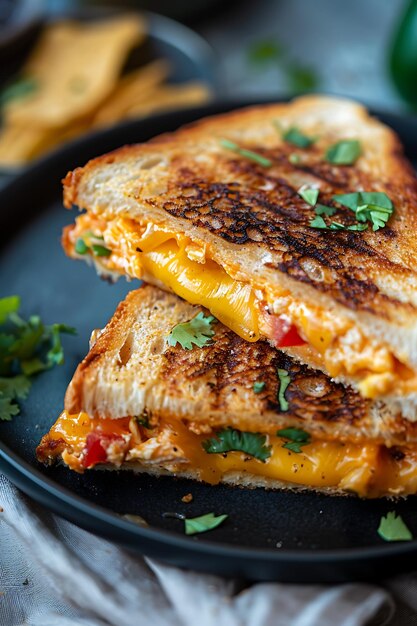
{"x":131,"y":369}
{"x":187,"y":214}
{"x":139,"y":403}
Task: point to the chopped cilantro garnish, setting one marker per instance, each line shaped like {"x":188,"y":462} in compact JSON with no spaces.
{"x":392,"y":528}
{"x":284,"y":381}
{"x":322,"y":209}
{"x":372,"y":206}
{"x":295,"y":137}
{"x":248,"y":154}
{"x":258,"y":387}
{"x":143,"y":420}
{"x":294,"y":158}
{"x":26,"y":348}
{"x":8,"y":408}
{"x":337,"y":226}
{"x":297,"y":437}
{"x":230,"y":439}
{"x":203,"y":523}
{"x":197,"y":331}
{"x":318,"y":222}
{"x":8,"y":305}
{"x":88,"y":243}
{"x":81,"y":247}
{"x":344,"y":152}
{"x":309,"y":194}
{"x":99,"y":250}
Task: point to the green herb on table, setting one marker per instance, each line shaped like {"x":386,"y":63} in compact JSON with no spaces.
{"x":248,"y":154}
{"x":195,"y":525}
{"x":232,"y":440}
{"x":301,"y":78}
{"x":197,"y":331}
{"x":392,"y":528}
{"x":264,"y":52}
{"x":344,"y":152}
{"x":297,"y":437}
{"x":269,"y":53}
{"x":27,"y":347}
{"x":284,"y":381}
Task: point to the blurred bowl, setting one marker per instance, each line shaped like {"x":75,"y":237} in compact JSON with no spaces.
{"x":18,"y":20}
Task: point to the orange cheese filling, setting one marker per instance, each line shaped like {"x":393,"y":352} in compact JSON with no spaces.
{"x":369,"y":470}
{"x":169,"y":260}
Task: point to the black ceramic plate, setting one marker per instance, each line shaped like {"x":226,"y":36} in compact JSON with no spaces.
{"x":268,"y":535}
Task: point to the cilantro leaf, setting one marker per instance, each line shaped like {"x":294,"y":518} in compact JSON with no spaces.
{"x":55,"y":355}
{"x":80,"y":246}
{"x":258,"y":386}
{"x":372,"y":206}
{"x":295,"y":137}
{"x":284,"y":381}
{"x":297,"y":438}
{"x":294,"y":158}
{"x":337,"y":226}
{"x":358,"y":227}
{"x":99,"y":250}
{"x":392,"y":528}
{"x":8,"y":305}
{"x":322,"y":209}
{"x":344,"y":152}
{"x":195,"y":525}
{"x":197,"y":331}
{"x":249,"y":154}
{"x":8,"y":408}
{"x":26,"y":348}
{"x":264,"y":52}
{"x":318,"y":222}
{"x":309,"y":195}
{"x":232,"y":440}
{"x":15,"y":387}
{"x":302,"y":78}
{"x":143,"y":420}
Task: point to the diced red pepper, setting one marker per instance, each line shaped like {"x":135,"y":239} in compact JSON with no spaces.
{"x":96,"y":445}
{"x":283,"y":333}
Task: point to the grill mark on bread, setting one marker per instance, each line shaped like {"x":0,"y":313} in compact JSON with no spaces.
{"x":278,"y":220}
{"x":231,"y":363}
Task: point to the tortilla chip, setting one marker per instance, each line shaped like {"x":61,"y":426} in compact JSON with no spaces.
{"x":133,"y":88}
{"x":171,"y":97}
{"x":76,"y":66}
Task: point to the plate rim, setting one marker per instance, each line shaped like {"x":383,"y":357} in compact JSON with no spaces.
{"x":11,"y":462}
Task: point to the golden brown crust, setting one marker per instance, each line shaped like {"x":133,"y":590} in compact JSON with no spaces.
{"x":131,"y":369}
{"x":258,"y":209}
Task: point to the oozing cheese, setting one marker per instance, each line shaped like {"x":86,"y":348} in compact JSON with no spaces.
{"x":366,"y":469}
{"x":174,"y":261}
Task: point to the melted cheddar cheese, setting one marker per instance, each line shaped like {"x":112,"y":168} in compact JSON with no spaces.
{"x":184,"y":266}
{"x":369,"y":470}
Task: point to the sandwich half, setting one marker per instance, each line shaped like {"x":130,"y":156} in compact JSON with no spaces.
{"x":168,"y":390}
{"x":291,"y":222}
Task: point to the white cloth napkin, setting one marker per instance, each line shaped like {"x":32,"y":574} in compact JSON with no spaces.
{"x":55,"y":574}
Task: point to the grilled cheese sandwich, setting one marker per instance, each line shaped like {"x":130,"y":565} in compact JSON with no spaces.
{"x":228,"y":233}
{"x":138,"y":402}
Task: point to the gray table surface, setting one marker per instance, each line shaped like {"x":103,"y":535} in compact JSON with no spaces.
{"x":345,"y":41}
